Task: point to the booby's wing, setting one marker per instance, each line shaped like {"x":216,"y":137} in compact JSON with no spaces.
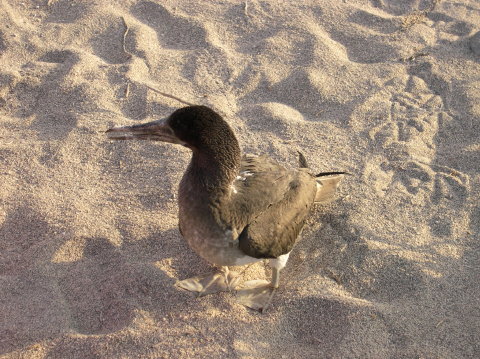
{"x":271,"y":205}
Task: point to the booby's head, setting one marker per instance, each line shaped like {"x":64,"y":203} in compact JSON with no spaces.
{"x":197,"y":127}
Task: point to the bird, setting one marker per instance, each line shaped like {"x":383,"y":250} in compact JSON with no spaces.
{"x":234,"y":210}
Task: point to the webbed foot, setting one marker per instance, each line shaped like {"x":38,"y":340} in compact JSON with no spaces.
{"x":220,"y":281}
{"x":256,"y":294}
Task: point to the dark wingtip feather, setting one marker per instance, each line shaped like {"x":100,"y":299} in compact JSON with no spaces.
{"x":321,"y":174}
{"x":302,"y":160}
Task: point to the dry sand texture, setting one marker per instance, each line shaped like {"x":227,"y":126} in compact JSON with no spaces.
{"x":89,"y":248}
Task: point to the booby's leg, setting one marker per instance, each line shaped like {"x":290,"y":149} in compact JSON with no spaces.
{"x":258,"y":294}
{"x":221,"y":281}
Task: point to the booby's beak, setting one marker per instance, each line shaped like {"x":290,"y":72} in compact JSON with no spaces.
{"x":154,"y":131}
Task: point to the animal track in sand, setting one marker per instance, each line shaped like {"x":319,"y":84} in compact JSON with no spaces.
{"x":411,"y":123}
{"x":450,"y":185}
{"x":406,"y":127}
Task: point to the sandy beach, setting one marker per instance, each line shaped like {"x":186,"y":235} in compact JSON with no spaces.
{"x":89,"y":243}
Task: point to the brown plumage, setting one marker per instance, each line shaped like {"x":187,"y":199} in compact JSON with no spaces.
{"x":234,"y":210}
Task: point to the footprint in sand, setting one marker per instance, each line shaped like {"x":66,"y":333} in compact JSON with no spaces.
{"x":406,"y":122}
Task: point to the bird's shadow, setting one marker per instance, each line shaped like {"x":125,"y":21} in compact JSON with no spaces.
{"x":101,"y":292}
{"x":335,"y":248}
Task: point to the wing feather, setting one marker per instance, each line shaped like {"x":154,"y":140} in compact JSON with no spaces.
{"x":271,"y":205}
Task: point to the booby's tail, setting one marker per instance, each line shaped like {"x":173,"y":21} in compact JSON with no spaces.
{"x":302,"y":160}
{"x":327,"y":183}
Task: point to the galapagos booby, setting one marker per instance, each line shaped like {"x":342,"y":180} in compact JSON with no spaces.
{"x":234,"y":210}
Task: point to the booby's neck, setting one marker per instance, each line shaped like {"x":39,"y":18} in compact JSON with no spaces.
{"x":213,"y":167}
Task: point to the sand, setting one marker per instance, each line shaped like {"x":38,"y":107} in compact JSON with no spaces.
{"x":89,"y":247}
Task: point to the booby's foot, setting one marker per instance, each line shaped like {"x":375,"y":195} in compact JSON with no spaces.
{"x":256,"y":294}
{"x":220,"y":281}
